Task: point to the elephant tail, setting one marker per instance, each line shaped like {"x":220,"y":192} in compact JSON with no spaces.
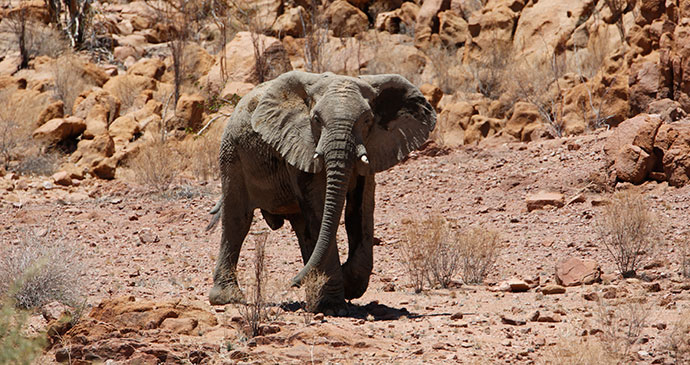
{"x":216,"y":211}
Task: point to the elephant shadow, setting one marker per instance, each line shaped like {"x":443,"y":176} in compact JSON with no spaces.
{"x":380,"y":312}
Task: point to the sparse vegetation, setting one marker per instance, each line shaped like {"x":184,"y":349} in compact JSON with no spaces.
{"x":576,"y":350}
{"x":684,"y":253}
{"x":202,"y":155}
{"x":478,"y":250}
{"x":39,"y":270}
{"x":255,"y":311}
{"x":432,"y":253}
{"x":491,"y":73}
{"x":155,"y":166}
{"x":621,"y":326}
{"x":69,"y":82}
{"x":628,"y":230}
{"x":15,"y":347}
{"x":678,"y":341}
{"x":313,"y":290}
{"x":17,"y":118}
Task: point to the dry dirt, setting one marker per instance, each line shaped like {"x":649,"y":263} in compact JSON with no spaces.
{"x":147,"y":264}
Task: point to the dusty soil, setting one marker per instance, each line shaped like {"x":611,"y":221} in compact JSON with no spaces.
{"x":147,"y":264}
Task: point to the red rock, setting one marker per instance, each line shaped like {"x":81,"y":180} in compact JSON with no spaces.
{"x":58,"y":130}
{"x":62,"y":178}
{"x":542,"y":199}
{"x":553,"y":289}
{"x":574,"y":271}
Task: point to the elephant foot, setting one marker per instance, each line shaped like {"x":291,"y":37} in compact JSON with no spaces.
{"x":224,"y":295}
{"x":333,"y":307}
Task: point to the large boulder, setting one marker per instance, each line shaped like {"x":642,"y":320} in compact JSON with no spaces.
{"x":481,"y":127}
{"x":52,"y":111}
{"x":426,"y":17}
{"x":672,"y":146}
{"x":241,"y":65}
{"x":630,"y":148}
{"x":452,"y":123}
{"x":188,"y":113}
{"x":525,"y":120}
{"x":545,"y":26}
{"x":401,"y":20}
{"x":453,"y":30}
{"x":345,"y":19}
{"x":573,"y":271}
{"x":98,"y":108}
{"x":291,"y":23}
{"x":59,"y":129}
{"x":149,"y":67}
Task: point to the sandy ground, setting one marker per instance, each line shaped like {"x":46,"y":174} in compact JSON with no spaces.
{"x":151,"y":249}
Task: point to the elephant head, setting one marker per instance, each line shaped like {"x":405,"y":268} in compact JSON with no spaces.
{"x":341,"y":123}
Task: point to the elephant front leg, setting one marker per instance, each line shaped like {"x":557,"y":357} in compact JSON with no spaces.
{"x":359,"y":223}
{"x":235,"y":228}
{"x":333,"y":300}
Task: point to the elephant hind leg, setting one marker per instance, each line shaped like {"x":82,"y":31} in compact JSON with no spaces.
{"x":235,"y":228}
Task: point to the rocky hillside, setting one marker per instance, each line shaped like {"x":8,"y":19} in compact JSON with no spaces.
{"x":514,"y":70}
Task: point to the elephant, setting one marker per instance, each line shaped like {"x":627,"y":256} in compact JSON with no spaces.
{"x":298,"y":148}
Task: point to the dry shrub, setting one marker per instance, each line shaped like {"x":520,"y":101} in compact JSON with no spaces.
{"x":127,"y":90}
{"x":15,"y":347}
{"x":39,"y":270}
{"x":313,"y":285}
{"x":678,"y":342}
{"x":255,"y":311}
{"x":491,"y":72}
{"x":202,"y":156}
{"x":19,"y":112}
{"x":684,"y":253}
{"x":621,"y":326}
{"x":155,"y":166}
{"x":69,"y":80}
{"x":478,"y":249}
{"x":447,"y":67}
{"x":628,"y":230}
{"x":576,"y":350}
{"x":37,"y":162}
{"x":429,"y":253}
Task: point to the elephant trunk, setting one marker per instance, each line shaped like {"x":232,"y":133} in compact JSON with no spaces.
{"x":338,"y":158}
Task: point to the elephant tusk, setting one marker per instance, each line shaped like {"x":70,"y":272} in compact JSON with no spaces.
{"x":316,"y":155}
{"x":365,"y":159}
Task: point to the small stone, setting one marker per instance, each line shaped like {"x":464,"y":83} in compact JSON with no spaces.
{"x":542,"y":199}
{"x":238,"y":354}
{"x":62,"y":178}
{"x":147,"y":236}
{"x":512,"y":321}
{"x":653,"y":287}
{"x":549,"y":317}
{"x":438,"y":346}
{"x":47,"y":185}
{"x":418,"y":351}
{"x":390,"y":287}
{"x":456,"y":316}
{"x":506,"y":343}
{"x":591,"y":296}
{"x":318,"y":317}
{"x":553,"y":289}
{"x":518,"y":286}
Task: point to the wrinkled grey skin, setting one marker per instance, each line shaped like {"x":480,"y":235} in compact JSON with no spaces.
{"x":298,"y":148}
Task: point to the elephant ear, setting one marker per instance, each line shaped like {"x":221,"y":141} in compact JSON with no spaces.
{"x":403,"y":119}
{"x":282,"y":119}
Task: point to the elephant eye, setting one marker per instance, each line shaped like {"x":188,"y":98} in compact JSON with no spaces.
{"x":316,"y":119}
